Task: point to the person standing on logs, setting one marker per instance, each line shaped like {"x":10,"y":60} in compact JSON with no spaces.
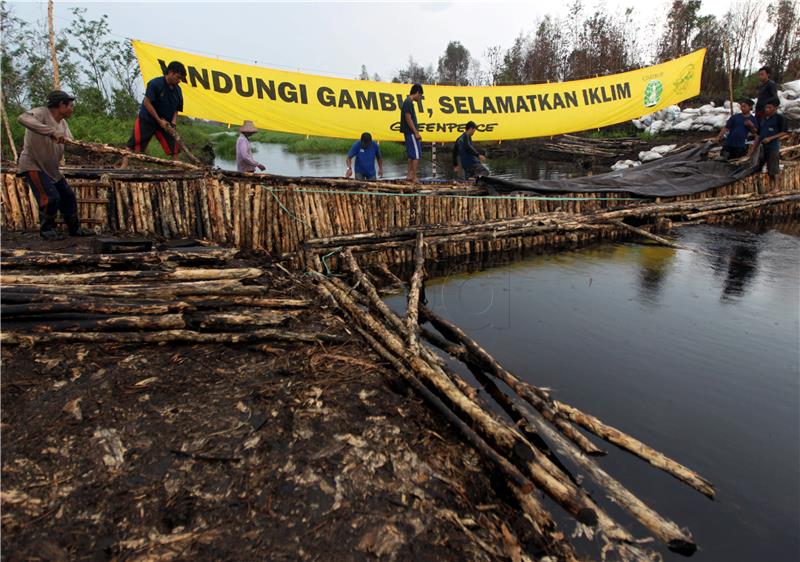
{"x":365,"y":151}
{"x":737,"y":128}
{"x":244,"y":152}
{"x":410,"y":129}
{"x":767,"y":90}
{"x":470,"y":157}
{"x":772,"y":128}
{"x":158,"y":113}
{"x":39,"y":161}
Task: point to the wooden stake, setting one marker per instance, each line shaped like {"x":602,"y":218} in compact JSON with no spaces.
{"x":52,"y":35}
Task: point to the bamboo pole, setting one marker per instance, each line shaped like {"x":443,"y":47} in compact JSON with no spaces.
{"x":178,"y":274}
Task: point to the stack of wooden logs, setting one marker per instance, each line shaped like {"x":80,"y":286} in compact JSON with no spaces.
{"x":532,"y":452}
{"x":557,"y":228}
{"x":601,"y":149}
{"x":189,"y":295}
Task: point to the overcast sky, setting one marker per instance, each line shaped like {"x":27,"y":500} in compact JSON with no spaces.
{"x":335,"y":38}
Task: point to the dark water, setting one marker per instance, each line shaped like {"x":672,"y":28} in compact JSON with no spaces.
{"x":696,"y":354}
{"x":280,"y":161}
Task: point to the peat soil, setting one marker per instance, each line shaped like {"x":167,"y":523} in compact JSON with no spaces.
{"x":280,"y":451}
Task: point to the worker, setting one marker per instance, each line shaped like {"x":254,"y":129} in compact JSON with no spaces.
{"x":39,"y":162}
{"x":366,"y":152}
{"x":737,"y":129}
{"x":410,"y":130}
{"x":244,"y":151}
{"x":767,"y":89}
{"x":470,"y":157}
{"x":771,"y":130}
{"x":162,"y":102}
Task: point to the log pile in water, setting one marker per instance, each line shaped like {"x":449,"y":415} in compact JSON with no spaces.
{"x":531,"y":453}
{"x":146,"y":299}
{"x":679,"y":213}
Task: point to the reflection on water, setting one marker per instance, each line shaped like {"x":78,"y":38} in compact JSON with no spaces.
{"x":280,"y":161}
{"x":695,"y":353}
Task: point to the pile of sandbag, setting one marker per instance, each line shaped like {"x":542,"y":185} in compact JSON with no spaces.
{"x":709,"y":117}
{"x":644,"y":156}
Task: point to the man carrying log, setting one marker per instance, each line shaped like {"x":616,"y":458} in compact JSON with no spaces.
{"x":737,"y":128}
{"x":244,"y":151}
{"x":470,"y":157}
{"x":365,"y":151}
{"x":158,"y":113}
{"x":39,"y":163}
{"x":772,"y":128}
{"x":410,"y":129}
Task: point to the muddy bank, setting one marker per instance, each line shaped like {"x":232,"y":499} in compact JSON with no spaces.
{"x":241,"y":451}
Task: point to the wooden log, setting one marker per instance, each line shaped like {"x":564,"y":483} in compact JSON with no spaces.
{"x":561,"y":490}
{"x":188,"y":336}
{"x":513,"y":410}
{"x":412,"y":312}
{"x":210,"y":301}
{"x":164,"y":290}
{"x":531,"y":394}
{"x":511,"y":472}
{"x":633,"y":445}
{"x":106,"y":324}
{"x":666,"y":530}
{"x":641,"y":232}
{"x":30,"y":258}
{"x":235,"y":319}
{"x":92,"y":306}
{"x":107,"y":149}
{"x":179,"y":274}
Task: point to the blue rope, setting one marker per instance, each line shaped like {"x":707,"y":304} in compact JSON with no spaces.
{"x":288,"y":212}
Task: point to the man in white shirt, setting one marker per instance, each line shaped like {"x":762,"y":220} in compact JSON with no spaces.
{"x":244,"y":152}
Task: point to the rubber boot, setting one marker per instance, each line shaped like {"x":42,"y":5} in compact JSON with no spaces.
{"x":47,"y":226}
{"x":74,"y":226}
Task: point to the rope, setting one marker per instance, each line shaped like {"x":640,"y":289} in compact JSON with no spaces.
{"x":324,"y":263}
{"x":444,"y":195}
{"x":288,"y":212}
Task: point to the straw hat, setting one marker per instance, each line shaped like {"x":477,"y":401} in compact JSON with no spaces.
{"x":248,"y":127}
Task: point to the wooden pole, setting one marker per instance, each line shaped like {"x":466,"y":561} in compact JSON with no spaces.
{"x":7,"y":127}
{"x":53,"y":57}
{"x":412,"y":313}
{"x":730,"y":69}
{"x":107,"y":149}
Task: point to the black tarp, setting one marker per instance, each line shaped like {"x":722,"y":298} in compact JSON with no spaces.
{"x":683,"y":173}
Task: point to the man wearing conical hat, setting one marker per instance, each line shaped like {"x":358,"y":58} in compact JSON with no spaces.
{"x":244,"y":152}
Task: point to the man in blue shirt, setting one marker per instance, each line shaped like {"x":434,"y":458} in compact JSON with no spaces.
{"x":410,"y":129}
{"x":469,"y":156}
{"x":737,"y":128}
{"x":772,"y":128}
{"x":163,"y":100}
{"x":365,"y":152}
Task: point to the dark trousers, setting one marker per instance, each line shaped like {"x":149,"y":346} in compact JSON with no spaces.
{"x":52,"y":196}
{"x":144,"y":130}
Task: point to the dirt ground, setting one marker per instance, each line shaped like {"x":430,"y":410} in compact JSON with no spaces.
{"x":237,"y":452}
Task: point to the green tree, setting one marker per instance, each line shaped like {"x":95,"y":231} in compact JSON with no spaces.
{"x":680,"y":28}
{"x":414,"y":73}
{"x":94,"y":47}
{"x":454,"y":65}
{"x":364,"y":74}
{"x":781,"y":51}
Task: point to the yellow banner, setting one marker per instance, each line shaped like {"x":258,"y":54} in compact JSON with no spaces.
{"x":308,"y":104}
